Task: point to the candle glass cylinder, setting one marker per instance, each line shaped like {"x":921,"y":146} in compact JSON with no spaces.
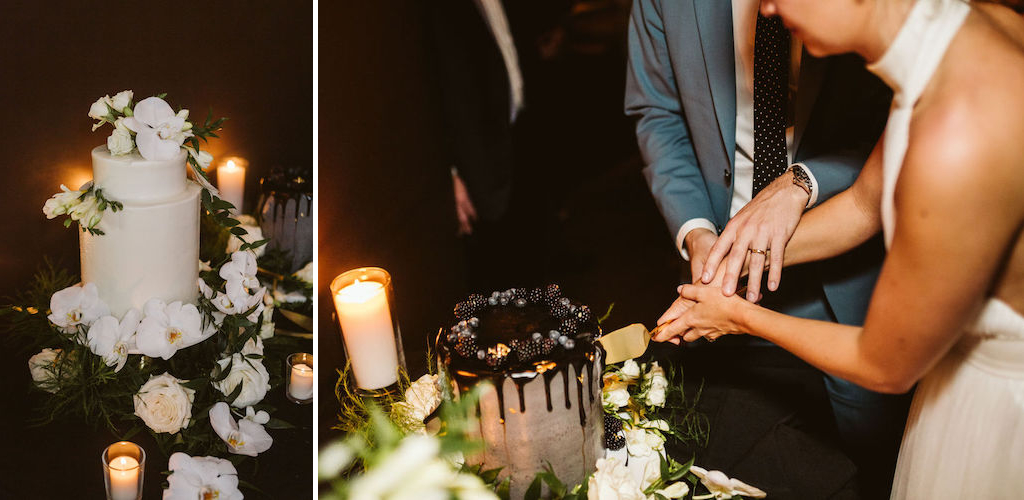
{"x":231,"y":182}
{"x":299,"y":385}
{"x":124,"y":465}
{"x":364,"y":300}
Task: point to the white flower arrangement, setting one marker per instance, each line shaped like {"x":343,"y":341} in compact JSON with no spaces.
{"x":112,"y":340}
{"x":76,"y":306}
{"x":44,"y":367}
{"x":201,"y":477}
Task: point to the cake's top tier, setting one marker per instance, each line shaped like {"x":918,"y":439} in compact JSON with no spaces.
{"x":519,"y":330}
{"x":133,"y":179}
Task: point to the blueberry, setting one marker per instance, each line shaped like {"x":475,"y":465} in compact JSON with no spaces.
{"x":554,"y":334}
{"x":536,"y":336}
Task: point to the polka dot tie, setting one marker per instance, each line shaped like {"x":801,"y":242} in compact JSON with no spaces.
{"x":771,"y":88}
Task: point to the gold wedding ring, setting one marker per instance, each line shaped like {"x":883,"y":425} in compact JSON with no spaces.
{"x":762,"y":252}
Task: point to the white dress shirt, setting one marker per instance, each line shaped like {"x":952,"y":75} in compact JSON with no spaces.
{"x":494,"y":14}
{"x":744,"y":24}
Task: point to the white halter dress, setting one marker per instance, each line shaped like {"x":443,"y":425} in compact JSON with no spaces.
{"x":965,"y":432}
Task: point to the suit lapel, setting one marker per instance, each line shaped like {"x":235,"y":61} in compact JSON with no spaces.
{"x":714,"y":23}
{"x":812,"y":72}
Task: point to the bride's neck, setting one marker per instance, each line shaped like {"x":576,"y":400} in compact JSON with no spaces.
{"x":887,"y":18}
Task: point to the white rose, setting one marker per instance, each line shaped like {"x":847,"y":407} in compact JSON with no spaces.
{"x":630,"y":369}
{"x":253,"y":346}
{"x":307,"y":273}
{"x":120,"y":142}
{"x":615,"y":394}
{"x":655,"y":376}
{"x":61,"y":203}
{"x":201,"y":157}
{"x":201,"y":477}
{"x":293,"y":297}
{"x":250,"y":373}
{"x":121,"y":100}
{"x":99,"y":110}
{"x":641,"y":442}
{"x":655,"y":397}
{"x":612,"y":481}
{"x":43,"y":369}
{"x":164,"y":404}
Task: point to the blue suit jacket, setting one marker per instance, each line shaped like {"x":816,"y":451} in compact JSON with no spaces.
{"x":681,"y":87}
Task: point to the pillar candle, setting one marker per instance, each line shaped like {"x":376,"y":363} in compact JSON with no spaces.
{"x":231,"y":183}
{"x":369,"y":336}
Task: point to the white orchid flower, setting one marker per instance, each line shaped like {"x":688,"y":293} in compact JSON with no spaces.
{"x":159,"y":133}
{"x":293,"y":297}
{"x":721,"y":486}
{"x":205,"y":289}
{"x":112,"y":339}
{"x":61,"y":203}
{"x":674,"y":490}
{"x":241,"y":268}
{"x":244,"y":437}
{"x":76,"y":305}
{"x":168,"y":327}
{"x":201,"y":477}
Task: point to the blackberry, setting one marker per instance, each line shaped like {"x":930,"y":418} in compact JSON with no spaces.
{"x":559,"y":311}
{"x":583,"y":314}
{"x":570,"y":326}
{"x":527,"y":350}
{"x":463,"y":310}
{"x":466,"y":347}
{"x":547,"y":345}
{"x":552,"y":293}
{"x":493,"y":360}
{"x":612,"y":425}
{"x":535,"y":295}
{"x":614,"y":441}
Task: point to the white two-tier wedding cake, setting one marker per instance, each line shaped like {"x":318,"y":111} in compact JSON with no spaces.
{"x":149,"y":248}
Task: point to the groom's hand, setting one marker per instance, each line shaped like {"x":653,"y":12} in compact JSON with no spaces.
{"x":766,"y":223}
{"x":698,"y":244}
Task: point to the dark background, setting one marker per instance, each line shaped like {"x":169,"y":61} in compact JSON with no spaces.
{"x":251,"y":62}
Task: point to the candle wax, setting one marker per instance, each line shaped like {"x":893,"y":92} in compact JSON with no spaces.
{"x":368,"y":333}
{"x":301,"y":383}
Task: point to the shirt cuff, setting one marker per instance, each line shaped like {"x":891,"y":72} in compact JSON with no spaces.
{"x":814,"y":185}
{"x":690,"y":225}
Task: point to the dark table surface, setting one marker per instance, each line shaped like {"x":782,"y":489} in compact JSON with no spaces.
{"x":61,"y":460}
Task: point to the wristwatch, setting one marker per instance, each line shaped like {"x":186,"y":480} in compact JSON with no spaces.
{"x":801,"y":179}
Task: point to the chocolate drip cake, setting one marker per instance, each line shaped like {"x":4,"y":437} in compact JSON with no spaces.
{"x":543,"y":401}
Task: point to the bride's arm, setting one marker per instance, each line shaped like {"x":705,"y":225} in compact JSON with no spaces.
{"x":841,"y":223}
{"x":957,"y":214}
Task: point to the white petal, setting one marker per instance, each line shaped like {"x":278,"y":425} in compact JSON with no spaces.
{"x":153,"y":148}
{"x":152,"y":111}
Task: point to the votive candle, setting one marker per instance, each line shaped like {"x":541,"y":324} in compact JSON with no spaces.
{"x":124,"y":464}
{"x":300,"y":380}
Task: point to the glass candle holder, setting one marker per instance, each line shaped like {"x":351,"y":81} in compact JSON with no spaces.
{"x":299,"y":385}
{"x":364,"y":300}
{"x":124,"y":465}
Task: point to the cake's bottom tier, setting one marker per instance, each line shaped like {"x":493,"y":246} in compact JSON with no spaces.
{"x":146,"y":252}
{"x":533,"y":436}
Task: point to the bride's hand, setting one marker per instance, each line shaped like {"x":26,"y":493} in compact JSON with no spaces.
{"x":678,"y":307}
{"x":711,"y":315}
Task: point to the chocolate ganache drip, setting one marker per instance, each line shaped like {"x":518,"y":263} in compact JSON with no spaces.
{"x":523,"y":334}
